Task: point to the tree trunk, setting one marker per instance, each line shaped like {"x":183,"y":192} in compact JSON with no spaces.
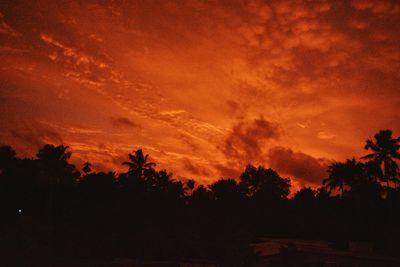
{"x":386,"y":174}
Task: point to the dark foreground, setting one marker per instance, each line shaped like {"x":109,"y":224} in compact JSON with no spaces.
{"x":54,"y":215}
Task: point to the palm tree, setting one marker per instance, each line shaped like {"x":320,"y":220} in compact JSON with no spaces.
{"x":139,"y":163}
{"x":341,"y":174}
{"x":336,"y":177}
{"x":385,"y":151}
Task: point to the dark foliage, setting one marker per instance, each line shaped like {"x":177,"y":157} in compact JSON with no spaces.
{"x":50,"y":210}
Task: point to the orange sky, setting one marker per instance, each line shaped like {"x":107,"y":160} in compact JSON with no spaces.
{"x":204,"y":87}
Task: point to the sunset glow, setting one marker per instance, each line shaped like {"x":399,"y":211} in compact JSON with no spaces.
{"x":204,"y":87}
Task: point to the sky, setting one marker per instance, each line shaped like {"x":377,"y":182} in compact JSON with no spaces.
{"x":204,"y":87}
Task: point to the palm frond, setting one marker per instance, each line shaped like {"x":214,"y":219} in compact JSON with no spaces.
{"x":370,"y":156}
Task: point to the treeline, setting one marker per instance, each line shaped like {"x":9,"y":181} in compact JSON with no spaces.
{"x":50,"y":209}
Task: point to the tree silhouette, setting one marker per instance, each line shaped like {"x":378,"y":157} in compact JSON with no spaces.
{"x":146,"y":213}
{"x":200,"y":196}
{"x":341,"y":174}
{"x":189,"y":185}
{"x":50,"y":153}
{"x":86,"y":167}
{"x":225,"y":190}
{"x":54,"y":162}
{"x":264,"y":183}
{"x":322,"y":194}
{"x":138,"y":163}
{"x":305,"y":195}
{"x":7,"y":159}
{"x":336,"y":178}
{"x":7,"y":155}
{"x":385,"y":150}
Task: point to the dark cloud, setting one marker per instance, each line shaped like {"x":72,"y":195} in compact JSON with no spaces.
{"x":226,"y":171}
{"x":102,"y":146}
{"x":303,"y":167}
{"x":27,"y":137}
{"x":118,"y":156}
{"x":7,"y":29}
{"x":189,"y":142}
{"x":235,"y":109}
{"x":123,"y":122}
{"x":247,"y":138}
{"x":195,"y":169}
{"x":36,"y":135}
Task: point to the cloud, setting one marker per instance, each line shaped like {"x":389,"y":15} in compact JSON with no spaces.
{"x":358,"y":24}
{"x":325,"y":135}
{"x":28,"y":137}
{"x":259,"y":9}
{"x":89,"y":69}
{"x":6,"y":29}
{"x":70,"y":52}
{"x":305,"y":168}
{"x":245,"y":141}
{"x":189,"y":141}
{"x":362,"y":4}
{"x":376,"y":6}
{"x":123,"y":123}
{"x":227,"y":171}
{"x":172,"y":113}
{"x":195,"y":169}
{"x":191,"y":73}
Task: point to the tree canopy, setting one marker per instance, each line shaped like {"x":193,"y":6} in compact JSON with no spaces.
{"x":147,"y":213}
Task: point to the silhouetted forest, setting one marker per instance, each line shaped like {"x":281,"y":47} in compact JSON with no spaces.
{"x":51,"y":209}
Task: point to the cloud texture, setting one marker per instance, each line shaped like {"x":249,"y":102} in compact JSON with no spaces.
{"x":203,"y":86}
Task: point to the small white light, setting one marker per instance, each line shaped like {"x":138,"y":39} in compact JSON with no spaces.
{"x":19,"y":211}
